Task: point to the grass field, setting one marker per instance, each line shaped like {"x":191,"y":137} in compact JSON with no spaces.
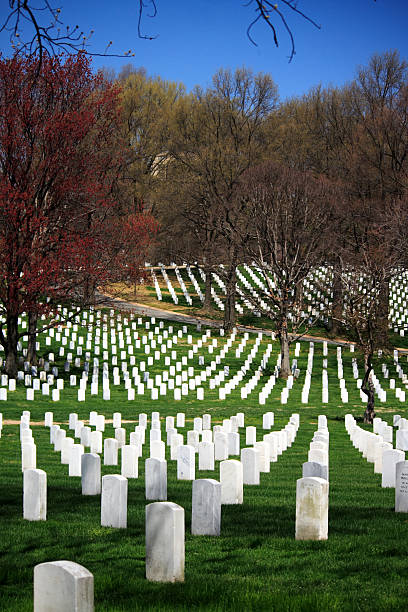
{"x":255,"y":564}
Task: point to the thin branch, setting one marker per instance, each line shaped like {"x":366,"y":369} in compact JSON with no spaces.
{"x":265,"y":11}
{"x":47,"y":38}
{"x":142,"y":6}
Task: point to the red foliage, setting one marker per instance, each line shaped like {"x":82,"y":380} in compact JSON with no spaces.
{"x":60,"y":156}
{"x":137,"y":232}
{"x":130,"y":237}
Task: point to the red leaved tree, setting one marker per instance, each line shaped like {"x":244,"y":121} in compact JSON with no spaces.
{"x":126,"y":245}
{"x":60,"y":158}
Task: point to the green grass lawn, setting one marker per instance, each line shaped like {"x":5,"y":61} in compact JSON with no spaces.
{"x":256,"y":563}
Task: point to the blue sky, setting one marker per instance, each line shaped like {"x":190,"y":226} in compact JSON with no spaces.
{"x":195,"y":38}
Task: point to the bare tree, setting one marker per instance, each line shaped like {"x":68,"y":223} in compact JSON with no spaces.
{"x":369,"y":257}
{"x":363,"y":284}
{"x":216,"y":137}
{"x":289,"y":215}
{"x":188,"y":223}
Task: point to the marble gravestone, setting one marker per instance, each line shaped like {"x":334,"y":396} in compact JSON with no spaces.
{"x":401,"y":486}
{"x":312,"y":509}
{"x":63,"y":586}
{"x":165,"y":542}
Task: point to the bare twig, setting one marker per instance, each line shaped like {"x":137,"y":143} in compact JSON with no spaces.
{"x":267,"y":11}
{"x":47,"y":34}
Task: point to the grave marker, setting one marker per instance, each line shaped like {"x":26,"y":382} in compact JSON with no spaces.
{"x":390,"y":458}
{"x":91,"y":474}
{"x":312,"y":508}
{"x":250,"y":466}
{"x":314,"y":469}
{"x":401,"y":486}
{"x":114,"y":501}
{"x":206,"y":507}
{"x":110,"y":451}
{"x":63,"y":586}
{"x":185,"y":462}
{"x":165,"y":542}
{"x":231,"y":478}
{"x":129,"y":458}
{"x":156,"y":479}
{"x":34,"y":495}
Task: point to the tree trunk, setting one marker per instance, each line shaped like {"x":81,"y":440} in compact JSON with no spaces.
{"x":369,"y":413}
{"x":368,"y":389}
{"x":383,"y":316}
{"x":229,"y":312}
{"x":32,"y":338}
{"x":88,"y":295}
{"x":11,"y":346}
{"x":299,"y":294}
{"x":284,"y":346}
{"x":208,"y":285}
{"x":337,"y":307}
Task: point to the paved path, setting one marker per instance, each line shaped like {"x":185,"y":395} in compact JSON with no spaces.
{"x":150,"y":311}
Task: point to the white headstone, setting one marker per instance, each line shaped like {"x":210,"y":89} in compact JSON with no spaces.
{"x":206,"y":507}
{"x":28,"y":456}
{"x":86,"y":436}
{"x":198,"y":424}
{"x":221,"y":446}
{"x":91,"y":474}
{"x":401,"y":486}
{"x":169,"y":422}
{"x":206,"y":456}
{"x":264,"y":460}
{"x":268,"y":420}
{"x":402,"y":439}
{"x":250,"y":466}
{"x":164,"y":542}
{"x":180,"y":419}
{"x":100,"y":422}
{"x":250,"y":434}
{"x":96,"y":442}
{"x":129,"y":467}
{"x":156,"y":479}
{"x":233,"y":443}
{"x":63,"y":586}
{"x":390,"y":458}
{"x":117,"y":419}
{"x":114,"y":501}
{"x":312,"y":509}
{"x":185,"y":462}
{"x":78,"y":426}
{"x":206,"y":421}
{"x":75,"y":457}
{"x":231,"y":478}
{"x":272,"y":441}
{"x":157,"y":449}
{"x":35,"y":495}
{"x":318,"y":456}
{"x":66,"y":448}
{"x":73,"y":417}
{"x":53,"y":431}
{"x":120,"y":436}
